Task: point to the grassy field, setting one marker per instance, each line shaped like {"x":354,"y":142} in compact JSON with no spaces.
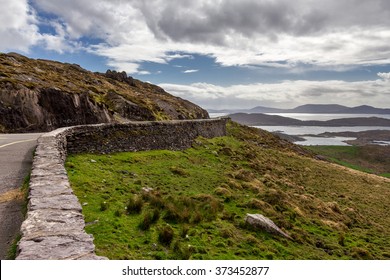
{"x":192,"y":204}
{"x":373,"y":159}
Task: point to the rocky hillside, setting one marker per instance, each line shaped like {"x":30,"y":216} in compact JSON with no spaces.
{"x":41,"y":95}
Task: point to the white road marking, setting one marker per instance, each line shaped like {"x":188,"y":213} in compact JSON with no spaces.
{"x":17,"y":142}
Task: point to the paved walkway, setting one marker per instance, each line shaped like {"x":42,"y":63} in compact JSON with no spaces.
{"x":16,"y":153}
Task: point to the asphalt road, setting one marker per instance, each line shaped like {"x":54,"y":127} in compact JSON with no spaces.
{"x":16,"y":153}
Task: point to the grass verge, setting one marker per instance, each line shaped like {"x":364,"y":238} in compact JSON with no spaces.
{"x":11,"y":254}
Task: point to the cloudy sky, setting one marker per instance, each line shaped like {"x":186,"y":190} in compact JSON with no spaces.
{"x":218,"y":53}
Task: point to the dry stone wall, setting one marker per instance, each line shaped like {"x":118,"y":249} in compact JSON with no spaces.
{"x":54,"y":226}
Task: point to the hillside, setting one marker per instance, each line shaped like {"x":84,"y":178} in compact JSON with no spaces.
{"x":192,"y":204}
{"x":41,"y":95}
{"x":373,"y":159}
{"x":323,"y":109}
{"x":257,"y":119}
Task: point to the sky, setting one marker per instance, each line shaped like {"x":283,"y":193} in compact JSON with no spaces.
{"x":219,"y":54}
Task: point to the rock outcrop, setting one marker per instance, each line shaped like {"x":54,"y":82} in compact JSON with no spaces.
{"x":261,"y":222}
{"x":41,"y":95}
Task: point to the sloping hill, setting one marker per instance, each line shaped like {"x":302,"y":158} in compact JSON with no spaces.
{"x":41,"y":95}
{"x":192,"y":204}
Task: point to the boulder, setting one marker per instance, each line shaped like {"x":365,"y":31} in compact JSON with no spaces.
{"x":259,"y":221}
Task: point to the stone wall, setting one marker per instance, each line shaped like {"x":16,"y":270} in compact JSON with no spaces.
{"x":136,"y":136}
{"x":54,"y":226}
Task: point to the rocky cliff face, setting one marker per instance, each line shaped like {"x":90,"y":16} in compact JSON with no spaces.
{"x":41,"y":95}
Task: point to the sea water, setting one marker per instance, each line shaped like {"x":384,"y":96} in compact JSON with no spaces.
{"x":307,"y":132}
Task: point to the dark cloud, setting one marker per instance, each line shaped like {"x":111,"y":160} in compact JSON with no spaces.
{"x":214,"y":21}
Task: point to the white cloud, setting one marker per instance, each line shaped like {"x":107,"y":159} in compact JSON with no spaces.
{"x":190,"y":71}
{"x":18,"y":30}
{"x":284,"y":94}
{"x":249,"y":32}
{"x":280,"y":34}
{"x":385,"y":76}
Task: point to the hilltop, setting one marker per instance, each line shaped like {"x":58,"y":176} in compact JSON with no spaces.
{"x":41,"y":95}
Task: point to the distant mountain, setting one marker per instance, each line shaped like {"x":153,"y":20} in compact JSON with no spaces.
{"x":367,"y":110}
{"x":271,"y":120}
{"x":338,"y":109}
{"x":314,"y":109}
{"x":261,"y":109}
{"x":321,"y":109}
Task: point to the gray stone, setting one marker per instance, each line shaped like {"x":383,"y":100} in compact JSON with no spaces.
{"x":45,"y":222}
{"x":44,"y":189}
{"x":60,"y":202}
{"x":58,"y":247}
{"x":261,"y":222}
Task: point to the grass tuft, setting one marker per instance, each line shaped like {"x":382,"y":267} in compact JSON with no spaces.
{"x":165,"y":235}
{"x":134,"y":205}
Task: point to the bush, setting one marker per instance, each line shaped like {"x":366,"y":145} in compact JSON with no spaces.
{"x":134,"y":205}
{"x":165,"y":235}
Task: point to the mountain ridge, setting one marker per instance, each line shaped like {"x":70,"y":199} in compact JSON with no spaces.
{"x":312,"y":109}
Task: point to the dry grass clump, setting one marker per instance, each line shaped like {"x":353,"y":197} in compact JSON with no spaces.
{"x":149,"y":217}
{"x":134,"y":205}
{"x":244,"y":175}
{"x":224,"y":193}
{"x":165,"y":235}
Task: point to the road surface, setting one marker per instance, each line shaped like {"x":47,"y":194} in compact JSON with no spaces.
{"x":16,"y":153}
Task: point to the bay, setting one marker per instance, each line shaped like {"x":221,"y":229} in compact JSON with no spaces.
{"x":304,"y":131}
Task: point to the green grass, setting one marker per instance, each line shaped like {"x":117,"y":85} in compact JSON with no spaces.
{"x":192,"y":204}
{"x":371,"y":159}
